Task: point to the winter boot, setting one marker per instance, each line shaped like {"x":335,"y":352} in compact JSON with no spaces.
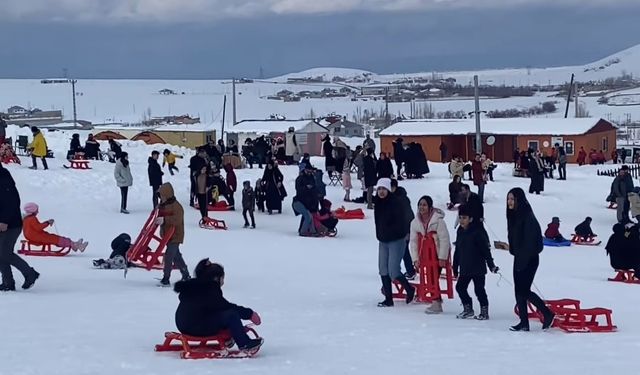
{"x":123,"y":211}
{"x":434,"y":308}
{"x":7,"y":287}
{"x":252,"y":346}
{"x":386,"y":290}
{"x":30,"y":279}
{"x":484,"y":313}
{"x":549,"y":317}
{"x":165,"y":282}
{"x":409,"y":289}
{"x":520,"y":327}
{"x":246,"y":225}
{"x":466,"y":313}
{"x":185,"y":274}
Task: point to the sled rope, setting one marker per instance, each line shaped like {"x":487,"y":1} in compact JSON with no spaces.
{"x":503,"y":278}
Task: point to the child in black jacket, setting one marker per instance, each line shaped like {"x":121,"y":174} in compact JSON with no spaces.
{"x":203,"y":311}
{"x":248,"y":204}
{"x":584,"y":230}
{"x":118,"y":257}
{"x":261,"y":195}
{"x":470,"y":261}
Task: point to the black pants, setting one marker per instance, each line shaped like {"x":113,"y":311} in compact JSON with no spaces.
{"x":244,"y":215}
{"x":398,"y":168}
{"x":230,"y":198}
{"x":478,"y":287}
{"x":172,"y":256}
{"x":522,"y":281}
{"x":155,"y":197}
{"x":408,"y":262}
{"x":8,"y":258}
{"x":44,"y":162}
{"x":124,"y":192}
{"x":203,"y":205}
{"x":172,"y":167}
{"x":194,"y":191}
{"x":562,"y":170}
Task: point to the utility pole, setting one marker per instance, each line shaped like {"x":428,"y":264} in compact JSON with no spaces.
{"x":73,"y":92}
{"x":476,"y":91}
{"x":387,"y":119}
{"x":575,"y":93}
{"x":566,"y":111}
{"x":233,"y":89}
{"x":224,"y":114}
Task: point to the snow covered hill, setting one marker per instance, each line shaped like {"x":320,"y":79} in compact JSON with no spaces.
{"x":317,"y":297}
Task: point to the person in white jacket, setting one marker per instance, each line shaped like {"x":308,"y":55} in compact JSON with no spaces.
{"x":430,"y":220}
{"x":124,"y":180}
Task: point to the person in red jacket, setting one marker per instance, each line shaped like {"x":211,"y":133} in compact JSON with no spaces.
{"x":614,"y":156}
{"x":479,"y":175}
{"x":582,"y":156}
{"x":553,"y":231}
{"x":232,"y":184}
{"x":34,"y":231}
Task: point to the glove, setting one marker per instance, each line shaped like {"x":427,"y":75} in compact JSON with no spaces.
{"x":255,"y":319}
{"x":494,"y":269}
{"x":159,"y":221}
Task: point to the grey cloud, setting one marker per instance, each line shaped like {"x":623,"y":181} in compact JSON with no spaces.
{"x":173,"y":11}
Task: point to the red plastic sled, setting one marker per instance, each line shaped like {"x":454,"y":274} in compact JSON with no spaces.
{"x":428,"y":287}
{"x":215,"y":347}
{"x":26,"y":248}
{"x":625,"y":276}
{"x":344,"y":214}
{"x":219,"y":206}
{"x":210,"y":223}
{"x":571,"y":318}
{"x":590,"y":241}
{"x":79,"y":164}
{"x":141,"y":254}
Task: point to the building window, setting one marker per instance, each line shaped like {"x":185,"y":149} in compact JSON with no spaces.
{"x":568,"y":148}
{"x":605,"y":144}
{"x":533,"y":145}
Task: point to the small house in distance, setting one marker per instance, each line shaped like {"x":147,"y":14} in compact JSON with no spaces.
{"x":340,"y":127}
{"x":504,"y":136}
{"x":309,"y":133}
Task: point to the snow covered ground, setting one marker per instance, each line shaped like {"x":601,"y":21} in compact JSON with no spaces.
{"x":317,"y":297}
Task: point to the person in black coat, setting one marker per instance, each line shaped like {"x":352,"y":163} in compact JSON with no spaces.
{"x":403,"y":197}
{"x":196,"y":163}
{"x":470,"y":262}
{"x":260,"y":148}
{"x":306,"y":201}
{"x":370,"y":176}
{"x":203,"y":311}
{"x":623,"y":248}
{"x":213,"y":153}
{"x":455,"y":188}
{"x":473,"y":202}
{"x":92,"y":148}
{"x":10,"y":230}
{"x":384,"y":168}
{"x":398,"y":156}
{"x":116,"y":150}
{"x":118,"y":257}
{"x":584,"y":229}
{"x":525,"y":244}
{"x":155,"y":176}
{"x":391,"y":231}
{"x":327,"y":150}
{"x":272,"y":181}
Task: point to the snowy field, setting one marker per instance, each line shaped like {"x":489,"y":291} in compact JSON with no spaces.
{"x":317,"y":297}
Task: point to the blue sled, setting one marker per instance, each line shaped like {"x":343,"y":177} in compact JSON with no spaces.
{"x":549,"y":242}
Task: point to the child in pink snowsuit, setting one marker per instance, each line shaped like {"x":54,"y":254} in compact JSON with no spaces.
{"x":34,"y":231}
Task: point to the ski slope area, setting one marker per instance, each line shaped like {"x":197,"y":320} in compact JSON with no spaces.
{"x":317,"y":296}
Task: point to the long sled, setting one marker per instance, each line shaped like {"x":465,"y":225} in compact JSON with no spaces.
{"x":554,"y":243}
{"x":344,"y":214}
{"x":213,"y":347}
{"x":625,"y":276}
{"x":590,"y":241}
{"x":572,"y":318}
{"x":28,"y":248}
{"x":219,"y":206}
{"x":209,"y":223}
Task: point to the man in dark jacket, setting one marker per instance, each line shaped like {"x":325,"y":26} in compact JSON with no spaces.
{"x":622,"y":185}
{"x":473,"y":203}
{"x":155,"y":176}
{"x":10,"y":229}
{"x":391,"y":231}
{"x":306,"y":201}
{"x":398,"y":156}
{"x":470,"y":262}
{"x":401,"y":193}
{"x":196,"y":163}
{"x":370,"y":176}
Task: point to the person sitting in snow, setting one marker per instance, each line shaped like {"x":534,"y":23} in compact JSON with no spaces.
{"x":583,"y":230}
{"x":553,"y":231}
{"x":34,"y":232}
{"x":118,"y":257}
{"x":203,"y":311}
{"x":623,"y":248}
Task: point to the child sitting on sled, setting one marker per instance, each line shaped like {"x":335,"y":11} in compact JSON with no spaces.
{"x":203,"y":311}
{"x":324,"y":220}
{"x":34,"y":231}
{"x":583,"y":230}
{"x":118,"y":257}
{"x":553,"y":231}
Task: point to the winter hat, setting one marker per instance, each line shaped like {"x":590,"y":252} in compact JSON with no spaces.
{"x":246,"y":183}
{"x":555,"y":219}
{"x":34,"y":129}
{"x":384,"y":183}
{"x":30,"y":208}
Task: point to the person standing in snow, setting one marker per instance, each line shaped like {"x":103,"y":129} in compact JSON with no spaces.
{"x":479,"y":175}
{"x":196,"y":163}
{"x":369,"y":144}
{"x":327,"y":151}
{"x":622,"y":186}
{"x":171,"y":216}
{"x":536,"y":172}
{"x":10,"y":229}
{"x":155,"y":176}
{"x":525,"y":244}
{"x":124,"y":180}
{"x":346,"y":181}
{"x":470,"y":262}
{"x":562,"y":162}
{"x":370,"y":176}
{"x":3,"y":130}
{"x":430,"y":221}
{"x":38,"y":148}
{"x":391,"y":232}
{"x":248,"y":204}
{"x":232,"y":185}
{"x":398,"y":156}
{"x":384,"y":168}
{"x":291,"y":145}
{"x":401,"y":193}
{"x":275,"y":193}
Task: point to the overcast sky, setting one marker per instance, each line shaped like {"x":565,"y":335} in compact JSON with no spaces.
{"x":225,"y":38}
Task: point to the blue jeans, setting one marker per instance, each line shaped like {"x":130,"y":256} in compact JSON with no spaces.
{"x":307,"y":221}
{"x":390,"y":256}
{"x":408,"y":262}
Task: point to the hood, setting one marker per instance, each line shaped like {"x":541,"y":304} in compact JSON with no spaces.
{"x":400,"y":192}
{"x":438,"y":214}
{"x":166,"y":192}
{"x":191,"y":286}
